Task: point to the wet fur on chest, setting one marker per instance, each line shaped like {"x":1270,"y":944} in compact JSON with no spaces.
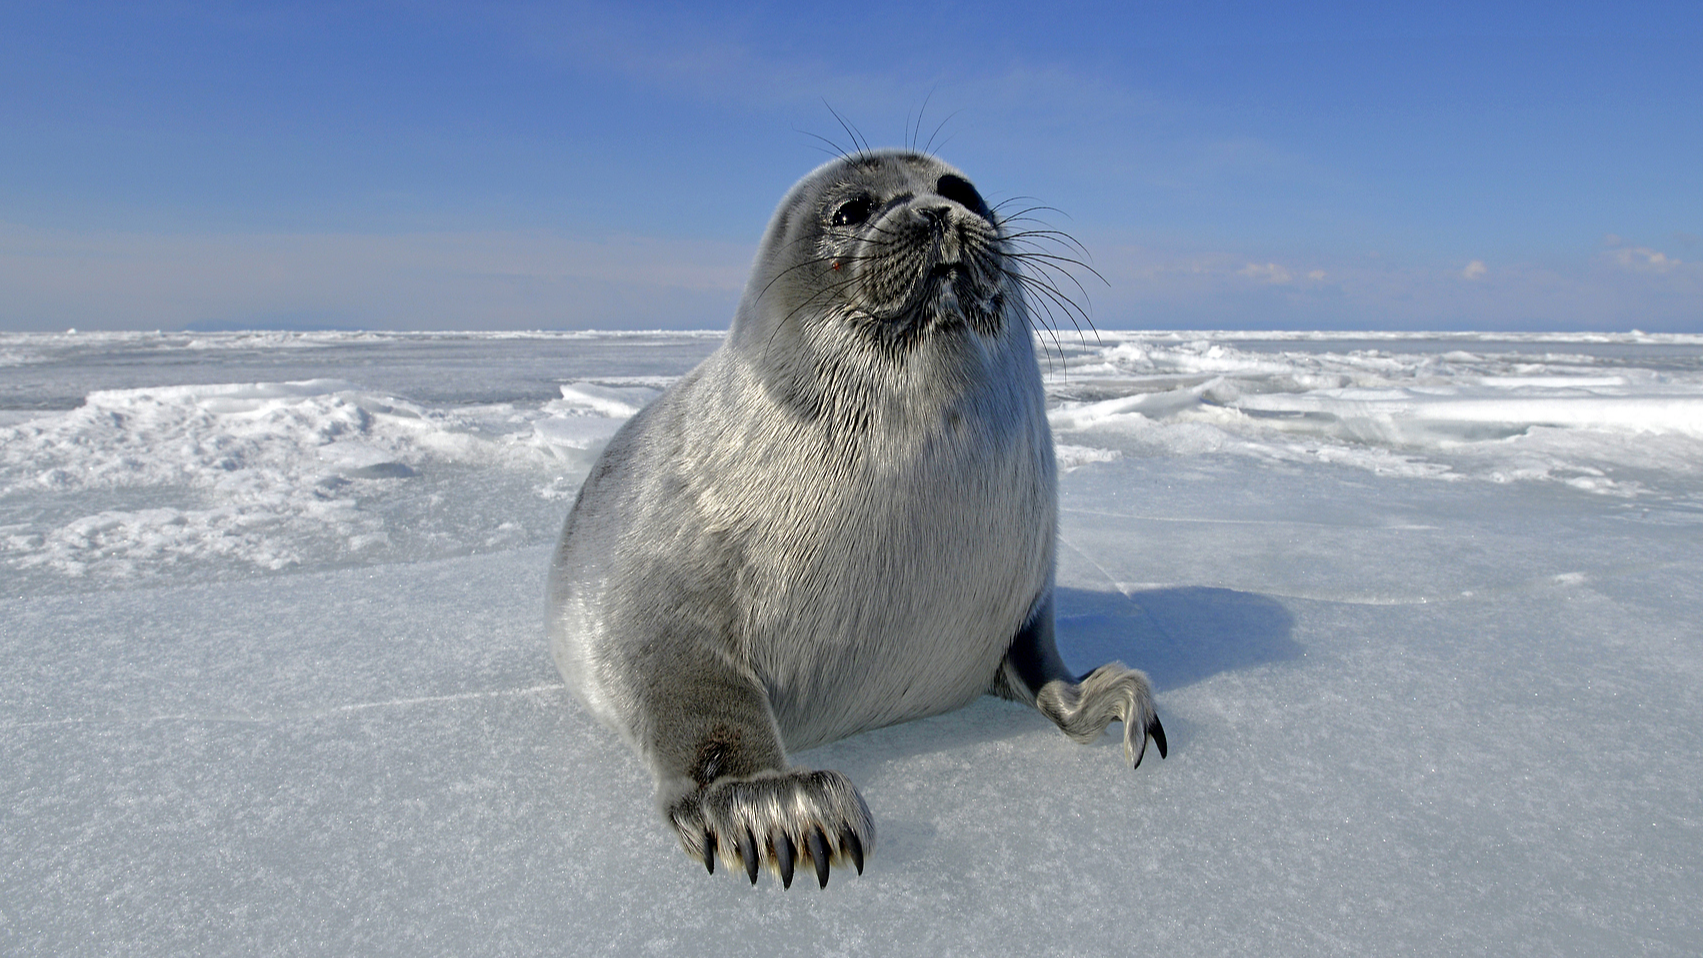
{"x":868,"y":575}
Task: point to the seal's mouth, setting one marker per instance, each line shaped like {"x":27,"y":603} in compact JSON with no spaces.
{"x":950,"y":295}
{"x":930,"y":270}
{"x":942,"y":287}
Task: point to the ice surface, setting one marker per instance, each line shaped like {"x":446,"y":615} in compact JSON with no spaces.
{"x":1423,"y":614}
{"x":220,"y":480}
{"x":1625,"y":420}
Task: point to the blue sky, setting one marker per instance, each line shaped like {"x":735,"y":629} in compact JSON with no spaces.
{"x":560,"y":165}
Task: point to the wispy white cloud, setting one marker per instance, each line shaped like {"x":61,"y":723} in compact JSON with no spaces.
{"x":1655,"y":266}
{"x":1644,"y":259}
{"x":1157,"y":287}
{"x":1475,"y":270}
{"x":1275,"y":274}
{"x":1265,"y":273}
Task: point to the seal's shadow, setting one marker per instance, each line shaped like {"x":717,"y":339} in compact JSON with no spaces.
{"x":1177,"y":636}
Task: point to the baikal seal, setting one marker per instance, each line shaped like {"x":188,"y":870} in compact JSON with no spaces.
{"x":843,"y":518}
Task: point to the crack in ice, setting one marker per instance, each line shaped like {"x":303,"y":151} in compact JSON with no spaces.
{"x":291,"y":716}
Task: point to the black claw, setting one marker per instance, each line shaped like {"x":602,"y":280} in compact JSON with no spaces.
{"x":819,"y":855}
{"x":709,"y":851}
{"x":783,"y":857}
{"x":1140,"y":754}
{"x":853,"y":847}
{"x":748,"y":851}
{"x":1158,"y":732}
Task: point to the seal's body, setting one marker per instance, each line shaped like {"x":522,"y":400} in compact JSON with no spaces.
{"x":844,"y":518}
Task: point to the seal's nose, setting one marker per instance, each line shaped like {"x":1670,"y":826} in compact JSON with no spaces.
{"x":938,"y":216}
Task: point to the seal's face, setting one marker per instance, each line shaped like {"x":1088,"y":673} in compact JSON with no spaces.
{"x":917,"y":248}
{"x":884,"y":287}
{"x":895,"y":245}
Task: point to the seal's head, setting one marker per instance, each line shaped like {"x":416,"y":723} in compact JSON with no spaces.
{"x":893,"y":246}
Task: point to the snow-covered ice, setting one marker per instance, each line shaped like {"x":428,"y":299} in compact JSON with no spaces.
{"x":1425,"y":615}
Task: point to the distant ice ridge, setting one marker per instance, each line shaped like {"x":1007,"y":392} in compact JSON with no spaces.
{"x":267,"y":476}
{"x":32,"y":345}
{"x":1595,"y":422}
{"x":238,"y":479}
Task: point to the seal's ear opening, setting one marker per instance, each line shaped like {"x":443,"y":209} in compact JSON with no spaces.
{"x":958,"y":190}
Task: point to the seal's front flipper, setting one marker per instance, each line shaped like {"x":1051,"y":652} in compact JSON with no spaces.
{"x":779,"y":819}
{"x":1034,"y":672}
{"x":1107,"y":694}
{"x":723,"y":780}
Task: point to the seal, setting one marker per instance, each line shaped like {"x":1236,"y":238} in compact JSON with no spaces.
{"x":842,"y":519}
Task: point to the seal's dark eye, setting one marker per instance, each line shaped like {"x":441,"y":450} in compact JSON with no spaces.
{"x":958,"y":190}
{"x":853,"y":211}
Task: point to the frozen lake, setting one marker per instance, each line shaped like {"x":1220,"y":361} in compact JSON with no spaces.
{"x":1424,"y":614}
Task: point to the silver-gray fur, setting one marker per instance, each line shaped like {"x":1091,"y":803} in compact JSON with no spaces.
{"x":842,"y":519}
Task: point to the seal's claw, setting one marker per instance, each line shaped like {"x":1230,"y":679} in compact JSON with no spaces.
{"x":748,"y":854}
{"x":1158,"y":732}
{"x":819,"y":855}
{"x":783,"y":858}
{"x":774,"y":818}
{"x":854,"y":847}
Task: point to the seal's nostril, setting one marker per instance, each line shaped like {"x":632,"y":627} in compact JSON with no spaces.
{"x":936,"y":215}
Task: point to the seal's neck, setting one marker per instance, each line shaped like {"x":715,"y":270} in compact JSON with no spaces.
{"x":836,"y":376}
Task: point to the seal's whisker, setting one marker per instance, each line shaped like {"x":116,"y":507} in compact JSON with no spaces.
{"x":1047,"y":326}
{"x":1046,"y":308}
{"x":825,"y":151}
{"x":1052,"y":235}
{"x":780,"y":275}
{"x":1042,"y":282}
{"x":1035,"y":241}
{"x":818,"y":261}
{"x":928,"y":147}
{"x":837,"y":149}
{"x":1051,"y":294}
{"x":858,"y":141}
{"x":811,"y":301}
{"x":1038,"y":208}
{"x":1043,"y":285}
{"x":912,"y":134}
{"x":1013,"y":199}
{"x":1055,"y":263}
